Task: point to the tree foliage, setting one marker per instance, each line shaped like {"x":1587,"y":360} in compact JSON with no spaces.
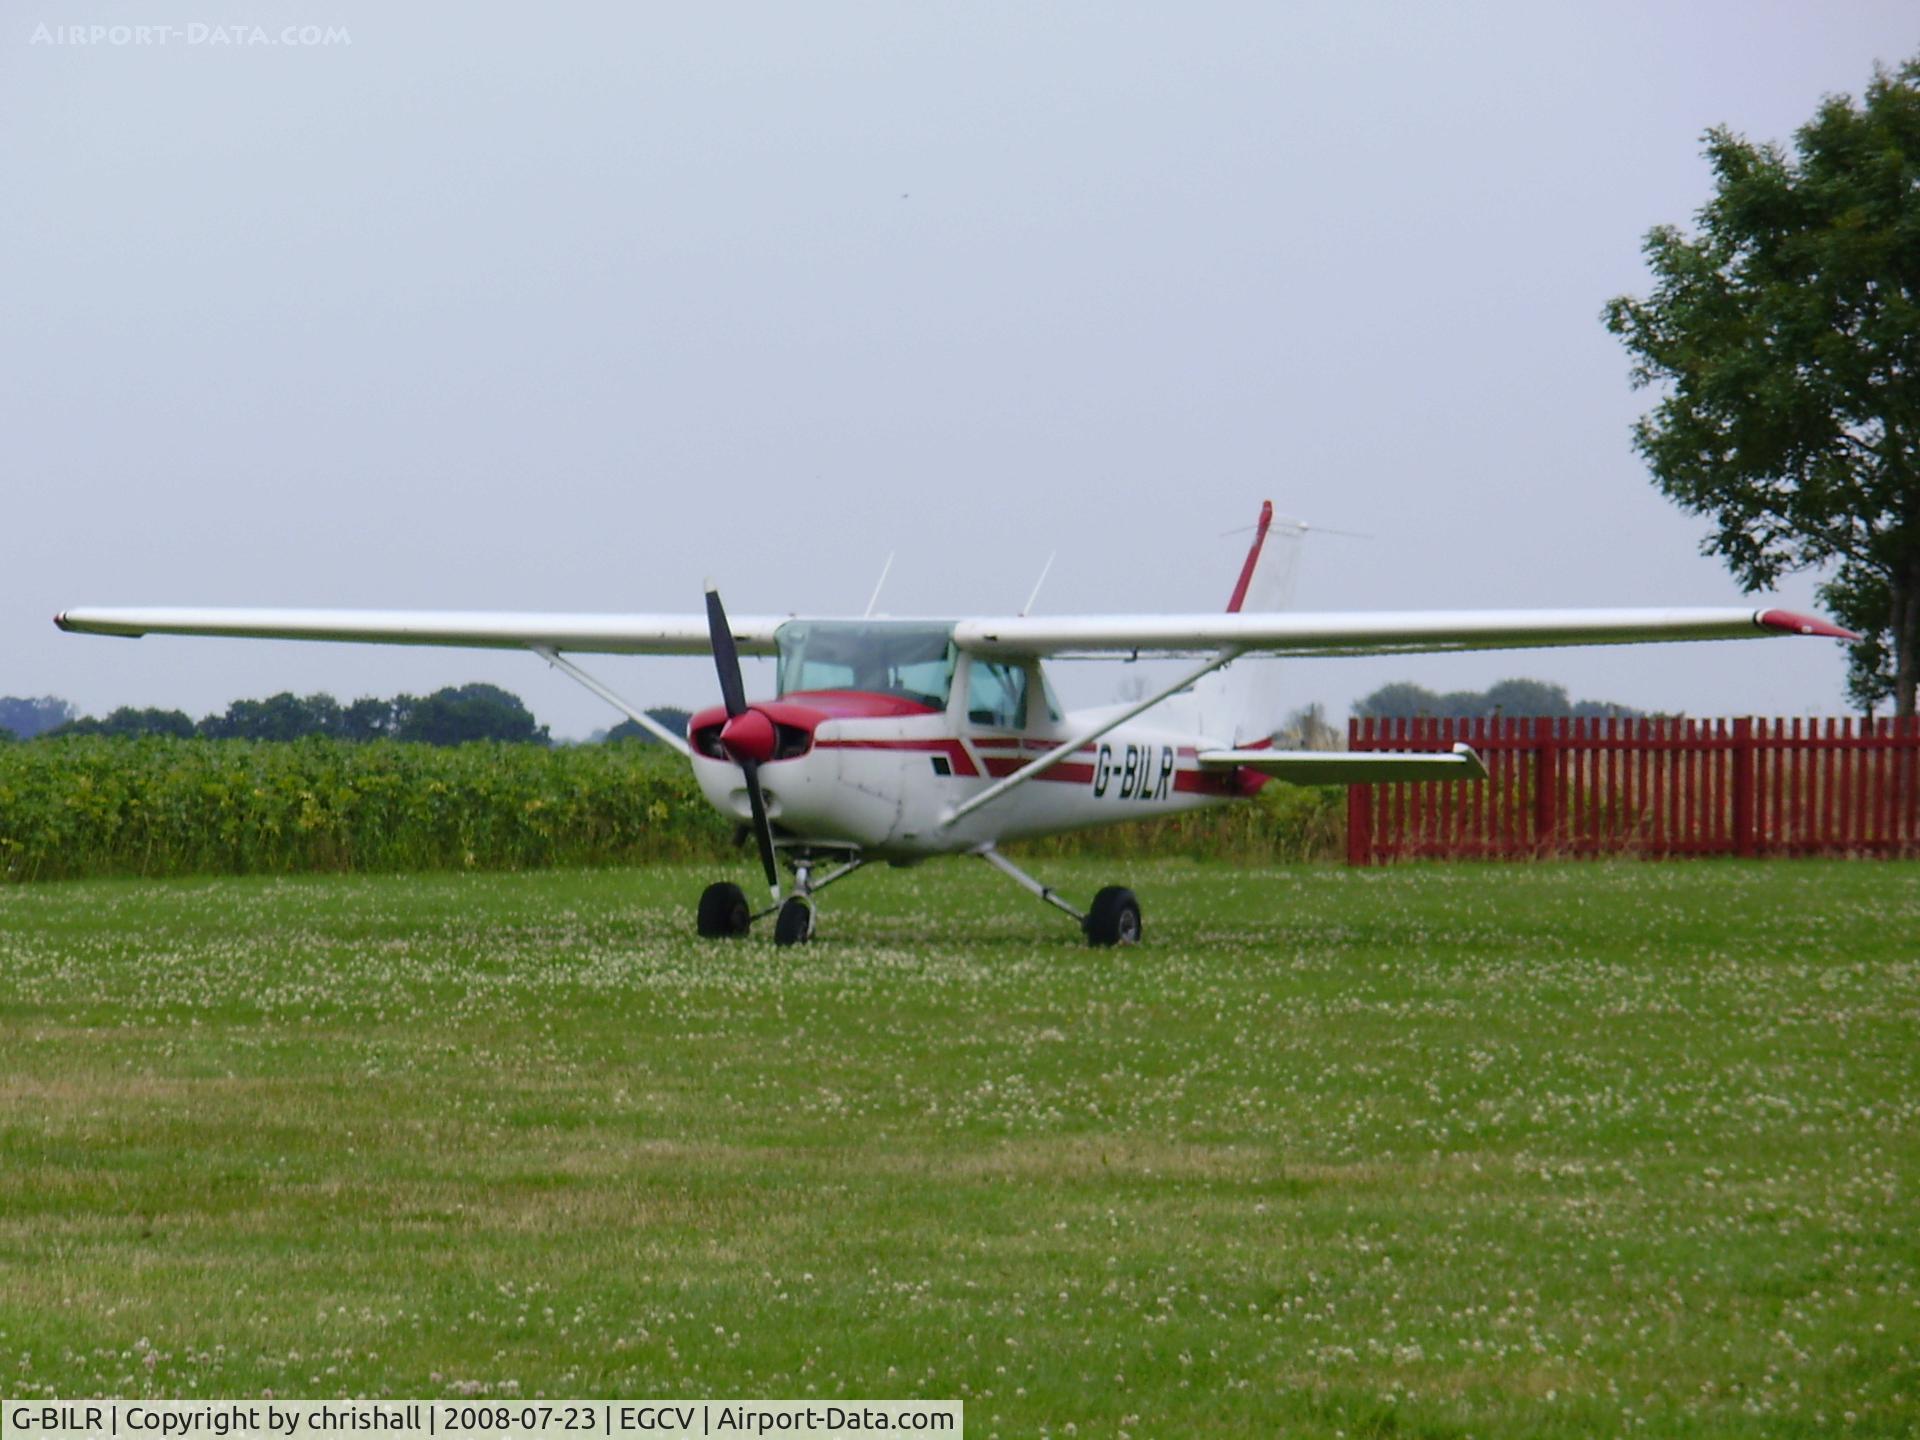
{"x":672,"y":716}
{"x":24,"y":719}
{"x":1510,"y":698}
{"x":455,"y":715}
{"x":128,"y":720}
{"x":1785,"y":334}
{"x":279,"y":717}
{"x":463,"y":713}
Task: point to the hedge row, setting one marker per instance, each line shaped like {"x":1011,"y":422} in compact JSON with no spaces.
{"x":101,"y":806}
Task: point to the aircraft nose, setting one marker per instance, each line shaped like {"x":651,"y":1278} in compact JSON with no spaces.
{"x":749,"y":736}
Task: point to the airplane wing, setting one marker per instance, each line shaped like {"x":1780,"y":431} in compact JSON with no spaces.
{"x":503,"y":630}
{"x":1338,"y":767}
{"x":1335,"y":633}
{"x":1360,"y":632}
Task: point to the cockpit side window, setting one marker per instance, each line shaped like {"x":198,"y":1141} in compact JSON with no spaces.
{"x":1046,"y":691}
{"x":997,"y":694}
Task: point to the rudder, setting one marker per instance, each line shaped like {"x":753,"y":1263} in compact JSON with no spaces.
{"x":1242,"y":703}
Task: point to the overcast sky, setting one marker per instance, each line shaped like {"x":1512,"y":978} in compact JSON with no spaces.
{"x":566,"y":308}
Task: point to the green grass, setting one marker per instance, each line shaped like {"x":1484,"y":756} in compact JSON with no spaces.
{"x":1500,"y":1151}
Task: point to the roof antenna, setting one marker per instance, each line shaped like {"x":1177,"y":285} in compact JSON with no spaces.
{"x":1045,"y":570}
{"x":878,"y":585}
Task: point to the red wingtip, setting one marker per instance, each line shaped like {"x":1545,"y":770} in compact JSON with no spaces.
{"x":1253,"y":558}
{"x":1787,"y":622}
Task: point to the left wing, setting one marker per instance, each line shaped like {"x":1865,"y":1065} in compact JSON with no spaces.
{"x":497,"y":630}
{"x":1362,"y":632}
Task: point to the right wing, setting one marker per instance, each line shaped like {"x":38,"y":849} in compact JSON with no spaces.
{"x":1363,"y":632}
{"x":497,"y":630}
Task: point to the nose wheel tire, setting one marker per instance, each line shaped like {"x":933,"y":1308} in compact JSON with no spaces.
{"x":724,"y":911}
{"x":794,"y":924}
{"x":1114,"y":918}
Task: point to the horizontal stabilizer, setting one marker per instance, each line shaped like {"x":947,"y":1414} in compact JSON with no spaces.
{"x":1348,"y":767}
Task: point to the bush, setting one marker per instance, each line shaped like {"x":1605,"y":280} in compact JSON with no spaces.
{"x":95,"y":805}
{"x":99,"y":805}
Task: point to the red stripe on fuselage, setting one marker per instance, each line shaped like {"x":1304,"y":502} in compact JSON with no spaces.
{"x":955,"y":752}
{"x":997,"y":743}
{"x":1001,"y":766}
{"x":1225,"y":784}
{"x":1187,"y":782}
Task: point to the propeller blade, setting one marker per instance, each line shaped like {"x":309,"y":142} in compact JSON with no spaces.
{"x":762,"y":827}
{"x":726,"y":658}
{"x":733,"y":692}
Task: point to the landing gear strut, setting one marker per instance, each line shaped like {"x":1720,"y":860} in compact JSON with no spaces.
{"x":1113,"y":920}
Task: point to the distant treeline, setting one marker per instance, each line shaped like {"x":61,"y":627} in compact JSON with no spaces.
{"x":1510,"y":698}
{"x":458,"y":715}
{"x":455,"y":715}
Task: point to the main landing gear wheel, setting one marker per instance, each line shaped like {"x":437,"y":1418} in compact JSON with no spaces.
{"x":1114,"y":918}
{"x":723,"y":910}
{"x":794,"y":924}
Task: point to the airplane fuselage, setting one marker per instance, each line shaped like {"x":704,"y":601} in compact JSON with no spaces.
{"x":879,"y":775}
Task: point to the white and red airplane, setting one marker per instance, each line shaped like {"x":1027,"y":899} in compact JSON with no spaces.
{"x":898,"y":740}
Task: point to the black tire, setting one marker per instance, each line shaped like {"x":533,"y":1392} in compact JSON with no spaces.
{"x":794,"y":924}
{"x":723,"y":911}
{"x":1114,"y":918}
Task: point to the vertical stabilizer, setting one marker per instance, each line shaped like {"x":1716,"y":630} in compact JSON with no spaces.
{"x":1242,"y":703}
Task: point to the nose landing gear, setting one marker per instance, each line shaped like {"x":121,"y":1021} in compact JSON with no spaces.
{"x":794,"y":924}
{"x":724,"y":913}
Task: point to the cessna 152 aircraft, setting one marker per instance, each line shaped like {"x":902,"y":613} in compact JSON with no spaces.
{"x":899,"y":740}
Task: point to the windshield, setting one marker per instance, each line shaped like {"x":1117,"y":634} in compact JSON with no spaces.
{"x":911,"y":658}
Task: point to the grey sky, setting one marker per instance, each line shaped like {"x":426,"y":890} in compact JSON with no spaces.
{"x":567,"y":308}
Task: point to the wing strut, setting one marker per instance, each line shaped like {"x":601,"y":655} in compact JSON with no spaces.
{"x":639,"y":717}
{"x":1066,"y":747}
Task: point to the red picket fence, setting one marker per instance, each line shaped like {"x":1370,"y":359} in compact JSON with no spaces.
{"x":1644,"y":787}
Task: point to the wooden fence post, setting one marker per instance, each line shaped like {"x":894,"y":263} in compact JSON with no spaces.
{"x":1546,"y":785}
{"x":1359,"y":806}
{"x":1743,"y":840}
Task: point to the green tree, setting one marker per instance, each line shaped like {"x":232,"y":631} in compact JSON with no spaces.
{"x":458,"y":714}
{"x":1523,"y":699}
{"x":367,"y":719}
{"x":279,"y":717}
{"x":671,"y":716}
{"x":1402,"y":700}
{"x":27,"y":718}
{"x":1786,"y":336}
{"x":1527,"y":697}
{"x":128,"y":720}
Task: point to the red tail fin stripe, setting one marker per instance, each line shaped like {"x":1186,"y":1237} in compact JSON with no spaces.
{"x":1253,"y":558}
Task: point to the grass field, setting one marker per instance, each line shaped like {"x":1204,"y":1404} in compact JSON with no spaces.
{"x":1495,"y":1151}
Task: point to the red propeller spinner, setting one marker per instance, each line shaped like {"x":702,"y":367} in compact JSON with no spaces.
{"x":749,"y":737}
